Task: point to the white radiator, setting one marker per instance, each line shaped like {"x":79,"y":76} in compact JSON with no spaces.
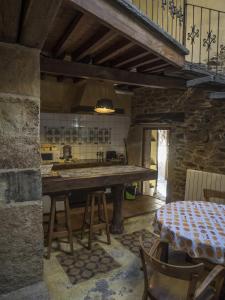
{"x":196,"y":181}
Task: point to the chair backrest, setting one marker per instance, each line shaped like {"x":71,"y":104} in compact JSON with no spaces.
{"x":214,"y":196}
{"x":152,"y":258}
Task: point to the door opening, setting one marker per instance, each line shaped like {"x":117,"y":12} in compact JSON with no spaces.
{"x":155,"y":156}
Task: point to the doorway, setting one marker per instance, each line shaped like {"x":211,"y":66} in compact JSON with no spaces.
{"x":155,"y":156}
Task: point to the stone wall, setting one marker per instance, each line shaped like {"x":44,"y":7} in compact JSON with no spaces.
{"x":197,"y":137}
{"x":21,"y":238}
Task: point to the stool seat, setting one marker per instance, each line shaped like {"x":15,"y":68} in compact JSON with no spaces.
{"x":96,"y":198}
{"x":55,"y":231}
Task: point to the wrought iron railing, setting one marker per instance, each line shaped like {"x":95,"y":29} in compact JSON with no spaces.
{"x":205,"y":37}
{"x":168,"y":14}
{"x":200,"y":29}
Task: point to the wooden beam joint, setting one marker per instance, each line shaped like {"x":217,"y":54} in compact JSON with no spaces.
{"x":58,"y":67}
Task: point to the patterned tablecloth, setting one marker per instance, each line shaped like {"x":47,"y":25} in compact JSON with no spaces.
{"x":197,"y":228}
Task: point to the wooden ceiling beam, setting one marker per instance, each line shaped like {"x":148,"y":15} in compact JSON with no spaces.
{"x":151,"y":67}
{"x":159,"y":70}
{"x":38,"y":19}
{"x":145,"y":62}
{"x":123,"y":61}
{"x":117,"y":49}
{"x":125,"y":25}
{"x":10,"y":13}
{"x":58,"y":67}
{"x":95,"y":42}
{"x":60,"y":46}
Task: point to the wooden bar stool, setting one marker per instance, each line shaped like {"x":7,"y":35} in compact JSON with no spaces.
{"x":53,"y":233}
{"x":98,"y":199}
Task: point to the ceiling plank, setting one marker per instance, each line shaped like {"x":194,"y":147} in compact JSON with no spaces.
{"x":58,"y":67}
{"x":145,"y":62}
{"x":10,"y":12}
{"x":118,"y":48}
{"x":163,"y":69}
{"x":37,"y":22}
{"x":123,"y":61}
{"x":152,"y":67}
{"x":102,"y":36}
{"x":131,"y":29}
{"x":60,"y":46}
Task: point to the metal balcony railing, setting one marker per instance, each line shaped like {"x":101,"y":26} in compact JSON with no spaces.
{"x":205,"y":37}
{"x":200,"y":29}
{"x":168,"y":14}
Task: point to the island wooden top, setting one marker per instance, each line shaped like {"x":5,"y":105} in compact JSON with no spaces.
{"x":85,"y":163}
{"x":85,"y":178}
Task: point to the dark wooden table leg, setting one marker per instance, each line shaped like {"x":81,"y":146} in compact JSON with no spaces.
{"x":165,"y":252}
{"x":117,"y":221}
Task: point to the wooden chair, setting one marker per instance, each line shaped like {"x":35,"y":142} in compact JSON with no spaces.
{"x":53,"y":229}
{"x":96,"y":198}
{"x":219,"y":197}
{"x":170,"y":282}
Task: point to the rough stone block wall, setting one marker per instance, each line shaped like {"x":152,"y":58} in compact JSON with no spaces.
{"x":21,"y":238}
{"x":197,"y":140}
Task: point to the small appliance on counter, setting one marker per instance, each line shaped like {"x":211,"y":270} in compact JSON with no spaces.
{"x":49,"y":153}
{"x":48,"y":156}
{"x":67,"y":152}
{"x":111,"y":155}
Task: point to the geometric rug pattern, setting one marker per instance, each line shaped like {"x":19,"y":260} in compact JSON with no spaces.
{"x":131,"y":240}
{"x":85,"y":264}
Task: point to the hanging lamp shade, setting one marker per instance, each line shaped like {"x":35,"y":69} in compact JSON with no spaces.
{"x":104,"y":106}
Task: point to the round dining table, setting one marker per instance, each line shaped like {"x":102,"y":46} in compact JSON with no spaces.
{"x":194,"y":227}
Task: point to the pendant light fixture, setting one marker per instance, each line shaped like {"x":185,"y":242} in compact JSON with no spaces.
{"x":104,"y":106}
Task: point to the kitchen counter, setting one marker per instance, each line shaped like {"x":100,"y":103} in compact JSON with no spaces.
{"x":84,"y":163}
{"x":115,"y":177}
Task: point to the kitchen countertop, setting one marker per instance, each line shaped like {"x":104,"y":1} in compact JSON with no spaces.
{"x":84,"y":163}
{"x":101,"y":176}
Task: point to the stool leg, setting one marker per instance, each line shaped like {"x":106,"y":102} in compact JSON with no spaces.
{"x":68,"y":223}
{"x":99,"y":213}
{"x":106,"y":218}
{"x":51,"y":226}
{"x":91,"y":221}
{"x":85,"y":217}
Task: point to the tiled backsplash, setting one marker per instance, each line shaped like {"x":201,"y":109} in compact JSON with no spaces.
{"x":87,"y":134}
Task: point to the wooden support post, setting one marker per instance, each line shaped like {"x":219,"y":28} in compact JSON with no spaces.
{"x":117,"y":221}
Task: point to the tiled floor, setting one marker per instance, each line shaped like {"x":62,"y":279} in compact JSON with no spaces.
{"x":124,"y":280}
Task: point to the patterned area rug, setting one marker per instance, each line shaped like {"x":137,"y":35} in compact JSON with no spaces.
{"x":131,"y":240}
{"x":85,"y":264}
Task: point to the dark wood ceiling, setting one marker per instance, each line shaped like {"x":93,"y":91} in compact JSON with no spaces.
{"x":104,"y":39}
{"x":86,"y":39}
{"x":96,"y":32}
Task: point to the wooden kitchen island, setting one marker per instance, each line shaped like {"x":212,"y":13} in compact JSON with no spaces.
{"x":115,"y":177}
